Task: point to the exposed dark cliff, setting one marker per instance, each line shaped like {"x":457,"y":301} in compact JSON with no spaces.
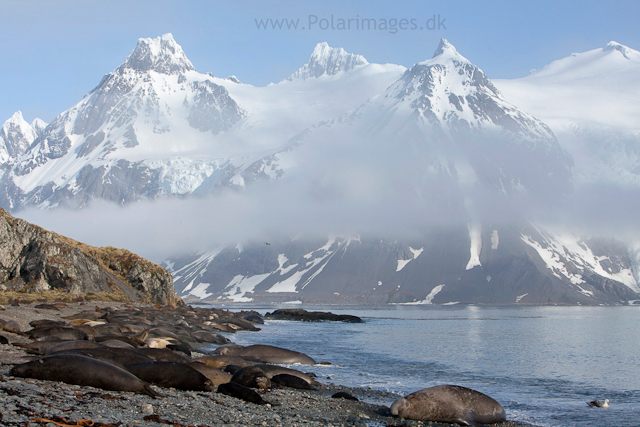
{"x":35,"y":260}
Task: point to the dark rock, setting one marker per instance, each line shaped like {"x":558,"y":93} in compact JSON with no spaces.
{"x":344,"y":395}
{"x":311,"y":316}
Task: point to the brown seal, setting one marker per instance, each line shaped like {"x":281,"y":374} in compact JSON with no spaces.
{"x":251,"y":376}
{"x":449,"y":404}
{"x":178,"y":375}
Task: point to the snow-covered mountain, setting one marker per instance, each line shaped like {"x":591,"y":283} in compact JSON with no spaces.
{"x":16,"y":136}
{"x":155,"y":127}
{"x":504,"y":265}
{"x":329,"y":61}
{"x":590,"y":101}
{"x":438,"y":149}
{"x":442,"y":124}
{"x":456,"y":139}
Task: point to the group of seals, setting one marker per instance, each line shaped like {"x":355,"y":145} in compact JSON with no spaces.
{"x":110,"y":349}
{"x":80,"y":355}
{"x":133,"y":348}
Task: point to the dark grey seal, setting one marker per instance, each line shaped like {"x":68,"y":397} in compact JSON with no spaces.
{"x":241,"y":392}
{"x":171,"y":374}
{"x":251,"y":376}
{"x":82,"y":370}
{"x":266,"y":354}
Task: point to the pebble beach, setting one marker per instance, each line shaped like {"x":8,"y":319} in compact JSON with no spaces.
{"x":26,"y":401}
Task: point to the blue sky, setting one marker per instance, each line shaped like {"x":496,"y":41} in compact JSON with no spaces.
{"x":54,"y":52}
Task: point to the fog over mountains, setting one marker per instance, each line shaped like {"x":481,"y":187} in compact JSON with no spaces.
{"x":351,"y":182}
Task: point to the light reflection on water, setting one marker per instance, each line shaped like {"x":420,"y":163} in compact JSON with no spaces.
{"x":541,"y":363}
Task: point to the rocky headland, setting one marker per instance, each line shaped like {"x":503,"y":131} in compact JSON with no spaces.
{"x":36,"y":264}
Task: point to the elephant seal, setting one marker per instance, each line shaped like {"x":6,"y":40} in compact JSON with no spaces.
{"x":62,"y":332}
{"x":210,"y":337}
{"x":62,"y":346}
{"x":216,"y":376}
{"x":251,"y":376}
{"x":123,"y":338}
{"x":171,"y":374}
{"x":266,"y":354}
{"x":241,"y":392}
{"x":82,"y":370}
{"x":117,"y":344}
{"x":221,"y":362}
{"x":449,"y":404}
{"x":291,"y":381}
{"x":163,"y":355}
{"x":273,"y":370}
{"x":113,"y":355}
{"x":13,"y":327}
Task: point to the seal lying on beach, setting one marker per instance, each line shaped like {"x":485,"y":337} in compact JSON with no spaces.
{"x":216,"y":376}
{"x":251,"y":376}
{"x":266,"y":354}
{"x":291,"y":381}
{"x":241,"y":392}
{"x":82,"y":370}
{"x":273,"y":370}
{"x":449,"y":404}
{"x":171,"y":374}
{"x":221,"y":362}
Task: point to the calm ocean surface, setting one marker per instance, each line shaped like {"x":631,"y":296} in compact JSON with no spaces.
{"x":541,"y":363}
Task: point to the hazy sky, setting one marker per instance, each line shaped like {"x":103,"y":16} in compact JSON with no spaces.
{"x":54,"y":52}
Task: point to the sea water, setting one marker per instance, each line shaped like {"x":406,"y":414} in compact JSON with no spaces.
{"x":541,"y":363}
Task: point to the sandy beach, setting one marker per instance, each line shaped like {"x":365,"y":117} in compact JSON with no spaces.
{"x":36,"y":402}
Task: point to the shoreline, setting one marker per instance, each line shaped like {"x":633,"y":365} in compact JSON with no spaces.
{"x":28,"y":400}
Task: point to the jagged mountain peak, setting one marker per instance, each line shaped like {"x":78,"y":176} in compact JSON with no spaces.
{"x":38,"y":126}
{"x":16,"y":117}
{"x":16,"y":135}
{"x":327,"y":60}
{"x":445,"y":48}
{"x":17,"y":123}
{"x":443,"y":84}
{"x":624,"y":50}
{"x":161,"y":54}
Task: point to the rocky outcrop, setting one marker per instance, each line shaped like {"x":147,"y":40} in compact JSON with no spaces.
{"x":35,"y":260}
{"x":311,"y":316}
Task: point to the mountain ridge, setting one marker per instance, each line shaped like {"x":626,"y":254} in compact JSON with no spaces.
{"x":356,"y":142}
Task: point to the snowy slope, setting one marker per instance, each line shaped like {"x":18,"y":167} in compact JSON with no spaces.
{"x":528,"y":265}
{"x":590,"y":100}
{"x":442,"y":122}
